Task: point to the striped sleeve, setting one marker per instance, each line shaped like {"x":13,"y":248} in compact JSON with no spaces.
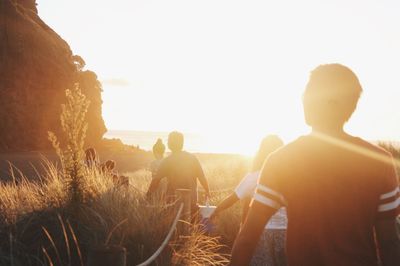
{"x":389,"y":197}
{"x":389,"y":204}
{"x":269,"y":197}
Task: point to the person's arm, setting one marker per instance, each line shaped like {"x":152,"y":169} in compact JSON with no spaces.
{"x":388,"y":239}
{"x":245,"y":210}
{"x":201,"y":177}
{"x":388,"y":210}
{"x":266,"y":201}
{"x":248,"y":237}
{"x":225,"y":204}
{"x":156,"y":179}
{"x":155,"y":182}
{"x":204,"y":183}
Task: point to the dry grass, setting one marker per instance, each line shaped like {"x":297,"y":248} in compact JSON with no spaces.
{"x":198,"y":249}
{"x":223,"y":172}
{"x":37,"y":225}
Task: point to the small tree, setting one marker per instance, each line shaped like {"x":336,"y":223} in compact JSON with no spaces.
{"x":74,"y":125}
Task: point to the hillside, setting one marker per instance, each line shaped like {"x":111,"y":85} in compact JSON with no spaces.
{"x":36,"y":66}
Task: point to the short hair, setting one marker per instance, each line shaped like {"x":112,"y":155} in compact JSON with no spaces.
{"x":331,"y":94}
{"x":175,"y":141}
{"x":159,"y":147}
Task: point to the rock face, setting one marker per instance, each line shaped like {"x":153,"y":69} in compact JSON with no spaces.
{"x":36,"y":66}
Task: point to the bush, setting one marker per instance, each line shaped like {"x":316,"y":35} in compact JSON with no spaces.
{"x":74,"y":126}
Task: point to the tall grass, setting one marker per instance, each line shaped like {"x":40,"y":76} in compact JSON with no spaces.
{"x":39,"y":227}
{"x":74,"y":126}
{"x":223,"y":172}
{"x":34,"y":213}
{"x":74,"y":208}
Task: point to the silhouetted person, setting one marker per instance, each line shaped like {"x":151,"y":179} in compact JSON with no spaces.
{"x":245,"y":190}
{"x":158,"y":152}
{"x":91,"y":158}
{"x":182,"y":170}
{"x":108,"y":169}
{"x":271,"y":247}
{"x":108,"y":166}
{"x":338,"y":189}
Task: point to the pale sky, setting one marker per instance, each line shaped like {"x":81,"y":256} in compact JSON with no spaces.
{"x":232,"y":67}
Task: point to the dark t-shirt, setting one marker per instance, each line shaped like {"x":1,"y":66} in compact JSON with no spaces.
{"x":182,"y":170}
{"x":335,"y":191}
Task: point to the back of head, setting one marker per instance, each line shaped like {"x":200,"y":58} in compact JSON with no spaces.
{"x":268,"y":145}
{"x":331,"y":95}
{"x":159,"y":148}
{"x":175,"y":141}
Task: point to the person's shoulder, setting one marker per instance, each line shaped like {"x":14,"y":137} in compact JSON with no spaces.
{"x":189,"y":155}
{"x":373,"y":153}
{"x":166,"y":160}
{"x":371,"y":146}
{"x":252,"y":175}
{"x":290,"y":154}
{"x":290,"y":149}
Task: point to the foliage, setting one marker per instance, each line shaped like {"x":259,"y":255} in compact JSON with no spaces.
{"x":199,"y":249}
{"x":74,"y":126}
{"x":34,"y":217}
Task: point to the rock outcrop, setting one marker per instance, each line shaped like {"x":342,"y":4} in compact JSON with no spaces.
{"x":36,"y":66}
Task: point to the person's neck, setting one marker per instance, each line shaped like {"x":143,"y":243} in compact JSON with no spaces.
{"x":329,"y":130}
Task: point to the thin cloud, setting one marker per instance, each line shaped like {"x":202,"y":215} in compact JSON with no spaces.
{"x":116,"y":82}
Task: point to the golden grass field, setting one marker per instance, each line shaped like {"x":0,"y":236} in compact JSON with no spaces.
{"x":60,"y":213}
{"x":37,"y":227}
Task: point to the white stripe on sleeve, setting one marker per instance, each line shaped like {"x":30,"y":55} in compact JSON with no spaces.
{"x":389,"y":194}
{"x":389,"y":206}
{"x":272,"y":192}
{"x":266,"y":201}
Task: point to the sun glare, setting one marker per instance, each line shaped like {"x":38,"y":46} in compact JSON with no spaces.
{"x":231,"y":70}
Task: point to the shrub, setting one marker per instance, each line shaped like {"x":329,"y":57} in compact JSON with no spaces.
{"x":74,"y":126}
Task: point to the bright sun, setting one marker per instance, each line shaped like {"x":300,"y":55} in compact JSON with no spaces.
{"x":233,"y":71}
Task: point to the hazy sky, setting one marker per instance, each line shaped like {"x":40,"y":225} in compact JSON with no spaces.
{"x":236,"y":67}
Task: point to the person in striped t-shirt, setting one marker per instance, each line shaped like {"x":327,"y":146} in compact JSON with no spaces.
{"x":341,"y":192}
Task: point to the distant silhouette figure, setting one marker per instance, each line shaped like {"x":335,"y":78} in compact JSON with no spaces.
{"x":158,"y":152}
{"x":91,"y":158}
{"x":108,"y":166}
{"x":338,"y":189}
{"x":271,"y":248}
{"x":181,"y":169}
{"x":108,"y":170}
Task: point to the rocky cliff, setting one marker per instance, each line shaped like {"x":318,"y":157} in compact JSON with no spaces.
{"x":36,"y":66}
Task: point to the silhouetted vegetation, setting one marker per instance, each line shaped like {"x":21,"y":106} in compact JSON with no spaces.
{"x":74,"y":208}
{"x":74,"y":126}
{"x":37,"y":65}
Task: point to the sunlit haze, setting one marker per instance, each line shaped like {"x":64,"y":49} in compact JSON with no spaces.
{"x":232,"y":70}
